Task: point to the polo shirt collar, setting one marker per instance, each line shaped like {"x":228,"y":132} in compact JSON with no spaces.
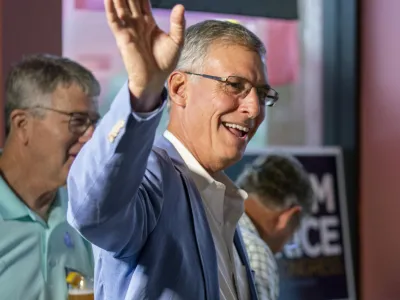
{"x":12,"y":208}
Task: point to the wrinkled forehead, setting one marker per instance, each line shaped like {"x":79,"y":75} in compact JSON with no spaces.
{"x":225,"y":59}
{"x":73,"y":98}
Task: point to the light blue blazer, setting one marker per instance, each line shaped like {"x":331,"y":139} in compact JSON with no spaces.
{"x":141,"y":210}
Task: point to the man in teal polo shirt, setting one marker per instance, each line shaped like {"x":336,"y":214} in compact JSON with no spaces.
{"x":51,"y":110}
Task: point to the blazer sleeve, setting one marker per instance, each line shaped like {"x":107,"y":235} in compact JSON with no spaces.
{"x":114,"y":199}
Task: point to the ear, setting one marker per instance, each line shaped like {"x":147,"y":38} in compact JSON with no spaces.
{"x":19,"y":124}
{"x":177,"y":88}
{"x":286,"y":216}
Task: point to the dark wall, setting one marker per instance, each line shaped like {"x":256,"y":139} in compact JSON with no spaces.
{"x":341,"y":100}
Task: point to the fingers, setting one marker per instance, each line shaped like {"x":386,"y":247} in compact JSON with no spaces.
{"x":111,"y":14}
{"x":134,"y":7}
{"x":146,"y":7}
{"x":122,"y":9}
{"x":177,"y":26}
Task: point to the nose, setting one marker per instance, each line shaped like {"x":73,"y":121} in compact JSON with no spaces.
{"x":87,"y":135}
{"x":251,"y":104}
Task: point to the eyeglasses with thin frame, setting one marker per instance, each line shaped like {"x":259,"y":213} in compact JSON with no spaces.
{"x":241,"y":87}
{"x":78,"y":122}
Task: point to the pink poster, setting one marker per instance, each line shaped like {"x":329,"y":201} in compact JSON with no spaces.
{"x":89,"y":4}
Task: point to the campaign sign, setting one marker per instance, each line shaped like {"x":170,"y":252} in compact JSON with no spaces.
{"x":318,"y":264}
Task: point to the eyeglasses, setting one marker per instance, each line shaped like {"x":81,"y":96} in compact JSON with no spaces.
{"x":241,"y":87}
{"x":78,"y":122}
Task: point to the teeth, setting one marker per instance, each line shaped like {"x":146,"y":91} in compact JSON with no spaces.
{"x":236,"y":126}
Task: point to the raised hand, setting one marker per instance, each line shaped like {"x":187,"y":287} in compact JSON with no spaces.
{"x":148,"y":53}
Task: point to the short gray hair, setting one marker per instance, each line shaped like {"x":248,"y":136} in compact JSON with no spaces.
{"x":199,"y":37}
{"x":39,"y":75}
{"x":281,"y":177}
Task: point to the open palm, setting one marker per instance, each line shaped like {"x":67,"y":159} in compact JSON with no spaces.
{"x":148,"y":53}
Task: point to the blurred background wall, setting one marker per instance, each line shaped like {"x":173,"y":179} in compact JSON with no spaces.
{"x":27,"y":27}
{"x":380,"y":150}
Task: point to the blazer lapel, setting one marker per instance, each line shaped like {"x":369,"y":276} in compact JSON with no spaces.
{"x":204,"y":239}
{"x":245,"y":260}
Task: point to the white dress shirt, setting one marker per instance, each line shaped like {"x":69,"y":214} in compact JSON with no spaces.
{"x":224,"y":205}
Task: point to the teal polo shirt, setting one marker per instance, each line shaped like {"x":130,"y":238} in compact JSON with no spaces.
{"x":35,"y":256}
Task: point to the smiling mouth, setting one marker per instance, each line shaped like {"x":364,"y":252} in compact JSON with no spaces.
{"x":237,"y":130}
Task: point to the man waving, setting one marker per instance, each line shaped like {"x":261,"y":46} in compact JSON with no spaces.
{"x":163,"y":218}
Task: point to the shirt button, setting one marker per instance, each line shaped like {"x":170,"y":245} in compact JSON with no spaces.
{"x":52,"y":263}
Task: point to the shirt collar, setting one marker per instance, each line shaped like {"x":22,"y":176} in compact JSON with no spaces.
{"x":58,"y":210}
{"x":201,"y":177}
{"x":214,"y":190}
{"x":247,"y":223}
{"x":12,"y":208}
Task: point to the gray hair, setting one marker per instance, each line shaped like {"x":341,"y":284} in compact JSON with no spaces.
{"x":280,"y":177}
{"x":199,"y":37}
{"x":38,"y":76}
